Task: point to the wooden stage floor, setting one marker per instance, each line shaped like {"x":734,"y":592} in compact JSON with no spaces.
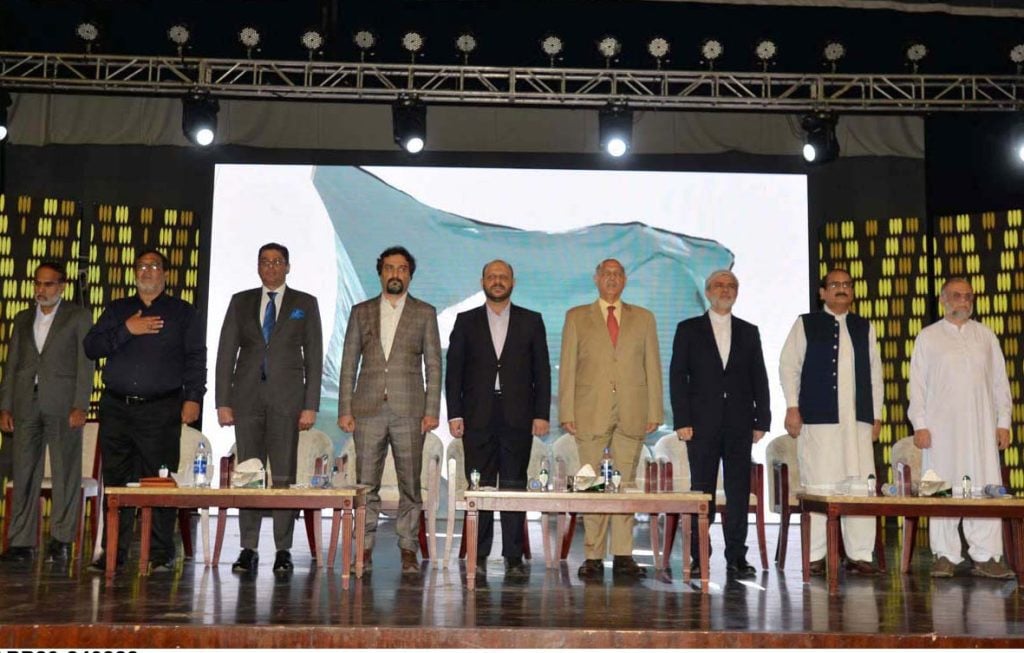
{"x":197,"y":606}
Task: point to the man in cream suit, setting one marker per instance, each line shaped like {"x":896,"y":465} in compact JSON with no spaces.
{"x":43,"y":399}
{"x":609,"y":387}
{"x":390,"y":340}
{"x":269,"y":363}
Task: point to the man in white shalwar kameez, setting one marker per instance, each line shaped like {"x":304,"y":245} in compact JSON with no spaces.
{"x":960,"y":407}
{"x":831,"y":372}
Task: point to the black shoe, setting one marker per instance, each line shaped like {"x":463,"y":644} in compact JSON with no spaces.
{"x":516,"y":569}
{"x":591,"y":569}
{"x":817,"y":567}
{"x":100,"y":563}
{"x":740,"y":569}
{"x":161,"y":565}
{"x":626,"y":566}
{"x":481,"y":567}
{"x":283,"y":562}
{"x":248,"y":561}
{"x":19,"y":554}
{"x":695,"y":569}
{"x":57,"y":551}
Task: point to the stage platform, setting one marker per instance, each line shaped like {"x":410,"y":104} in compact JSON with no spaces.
{"x":198,"y":606}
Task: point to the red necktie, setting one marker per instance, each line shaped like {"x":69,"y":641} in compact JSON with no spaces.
{"x":613,"y":326}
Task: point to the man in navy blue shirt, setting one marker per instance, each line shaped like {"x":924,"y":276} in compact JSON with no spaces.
{"x":154,"y":380}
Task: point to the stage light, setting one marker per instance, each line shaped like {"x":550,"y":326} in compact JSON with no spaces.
{"x":88,"y":31}
{"x":820,"y":143}
{"x":413,"y":42}
{"x":199,"y":118}
{"x":766,"y":50}
{"x":1017,"y":56}
{"x":5,"y":101}
{"x":609,"y":47}
{"x":365,"y":40}
{"x":409,"y":124}
{"x":249,"y":37}
{"x":658,"y":48}
{"x":615,"y":127}
{"x":179,"y":35}
{"x":312,"y":40}
{"x":552,"y":46}
{"x":915,"y":53}
{"x":1017,"y":140}
{"x":833,"y":52}
{"x":711,"y":50}
{"x":465,"y":43}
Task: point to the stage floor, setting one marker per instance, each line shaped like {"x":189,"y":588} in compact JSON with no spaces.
{"x":199,"y":606}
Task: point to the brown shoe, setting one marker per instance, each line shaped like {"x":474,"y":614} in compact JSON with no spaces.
{"x":943,"y":567}
{"x":410,"y":565}
{"x":591,"y":569}
{"x":862,"y":568}
{"x":817,"y":567}
{"x":992,"y":569}
{"x":626,"y":566}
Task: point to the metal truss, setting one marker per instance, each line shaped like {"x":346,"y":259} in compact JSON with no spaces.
{"x":488,"y":85}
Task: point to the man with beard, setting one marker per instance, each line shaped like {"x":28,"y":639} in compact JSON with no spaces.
{"x":831,"y":372}
{"x":154,"y":380}
{"x":960,"y":406}
{"x":609,"y":385}
{"x":498,"y":388}
{"x":390,"y":340}
{"x":44,"y":398}
{"x":269,"y":363}
{"x":720,"y":406}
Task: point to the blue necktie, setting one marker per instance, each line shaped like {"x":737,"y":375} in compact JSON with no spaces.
{"x":269,"y":320}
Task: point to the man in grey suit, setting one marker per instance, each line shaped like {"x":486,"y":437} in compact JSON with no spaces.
{"x":44,"y":397}
{"x":269,"y":364}
{"x":390,"y":340}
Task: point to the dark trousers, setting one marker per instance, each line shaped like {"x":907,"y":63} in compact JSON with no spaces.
{"x":134,"y":441}
{"x":266,"y":431}
{"x":732,"y":448}
{"x":500,"y":453}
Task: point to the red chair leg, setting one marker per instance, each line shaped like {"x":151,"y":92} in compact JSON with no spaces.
{"x":424,"y":549}
{"x":310,"y":532}
{"x":762,"y":545}
{"x":526,"y":540}
{"x":780,"y":547}
{"x":880,"y":543}
{"x":671,"y":525}
{"x":570,"y":532}
{"x":185,"y":528}
{"x":909,"y":533}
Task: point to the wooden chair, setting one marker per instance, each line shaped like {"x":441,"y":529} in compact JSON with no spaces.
{"x":457,"y":485}
{"x":90,"y":492}
{"x":670,"y":447}
{"x":430,"y":487}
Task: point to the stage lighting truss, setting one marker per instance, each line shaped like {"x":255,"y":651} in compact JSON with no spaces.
{"x":539,"y":86}
{"x":179,"y":35}
{"x":609,"y":47}
{"x":88,"y":32}
{"x":199,"y":117}
{"x":552,"y":46}
{"x":5,"y":101}
{"x":833,"y":52}
{"x":615,"y":128}
{"x":466,"y":45}
{"x":409,"y":124}
{"x":711,"y":50}
{"x":766,"y":51}
{"x":313,"y":41}
{"x":658,"y":47}
{"x":820,"y":143}
{"x":249,"y":37}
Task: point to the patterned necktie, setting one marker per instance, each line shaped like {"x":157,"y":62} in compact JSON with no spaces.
{"x":613,"y":326}
{"x":269,"y":320}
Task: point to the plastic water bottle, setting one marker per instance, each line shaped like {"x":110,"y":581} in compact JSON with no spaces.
{"x":872,"y":485}
{"x":995,"y":491}
{"x":607,"y":466}
{"x":199,"y":466}
{"x":965,"y":486}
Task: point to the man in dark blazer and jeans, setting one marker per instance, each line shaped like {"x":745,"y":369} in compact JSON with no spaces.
{"x":498,"y":388}
{"x":269,"y":363}
{"x":720,"y":406}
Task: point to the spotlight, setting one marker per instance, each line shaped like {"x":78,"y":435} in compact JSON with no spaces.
{"x":552,"y":46}
{"x":766,"y":50}
{"x":249,"y":37}
{"x":179,"y":35}
{"x":711,"y":50}
{"x":364,"y":40}
{"x":313,"y":41}
{"x":413,"y":43}
{"x":915,"y":53}
{"x":615,"y":126}
{"x":1017,"y":56}
{"x":833,"y":52}
{"x":609,"y":47}
{"x":5,"y":101}
{"x":199,"y":118}
{"x":88,"y":31}
{"x":658,"y":48}
{"x":409,"y":124}
{"x":1016,"y":140}
{"x":820,"y":143}
{"x":465,"y":44}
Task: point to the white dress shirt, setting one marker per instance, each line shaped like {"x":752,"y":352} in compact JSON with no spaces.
{"x":42,"y":324}
{"x":721,"y":325}
{"x":265,"y":299}
{"x":498,"y":323}
{"x":389,"y":317}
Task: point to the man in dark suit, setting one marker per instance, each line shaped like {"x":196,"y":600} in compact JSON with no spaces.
{"x":720,"y":406}
{"x":498,"y":388}
{"x":390,"y":341}
{"x":269,"y":363}
{"x":44,"y":398}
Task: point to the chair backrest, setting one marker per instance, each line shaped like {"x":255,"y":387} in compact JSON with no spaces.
{"x":432,"y":446}
{"x":90,"y":453}
{"x":540,"y":453}
{"x":671,"y":448}
{"x":782,"y":450}
{"x":646,"y":455}
{"x":314,"y":444}
{"x":904,"y":451}
{"x":564,"y":448}
{"x":348,"y":456}
{"x":187,"y":449}
{"x":455,"y":463}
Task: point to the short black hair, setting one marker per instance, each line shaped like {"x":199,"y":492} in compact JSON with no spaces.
{"x":391,"y":251}
{"x":164,"y":263}
{"x":56,"y":266}
{"x":274,"y":246}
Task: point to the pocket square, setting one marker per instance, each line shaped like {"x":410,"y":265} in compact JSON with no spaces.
{"x":297,"y":314}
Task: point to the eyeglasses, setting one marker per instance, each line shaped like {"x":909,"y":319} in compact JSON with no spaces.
{"x":46,"y":284}
{"x":152,"y":267}
{"x":833,"y":285}
{"x":276,"y":263}
{"x":961,"y":296}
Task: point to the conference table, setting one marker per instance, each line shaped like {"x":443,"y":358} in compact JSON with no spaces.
{"x":834,"y":506}
{"x":627,"y":501}
{"x":348,"y":505}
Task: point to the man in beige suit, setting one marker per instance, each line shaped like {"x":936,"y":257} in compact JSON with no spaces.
{"x":390,"y":340}
{"x":609,"y":386}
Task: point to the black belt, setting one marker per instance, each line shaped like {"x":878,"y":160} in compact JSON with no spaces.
{"x":132,"y":400}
